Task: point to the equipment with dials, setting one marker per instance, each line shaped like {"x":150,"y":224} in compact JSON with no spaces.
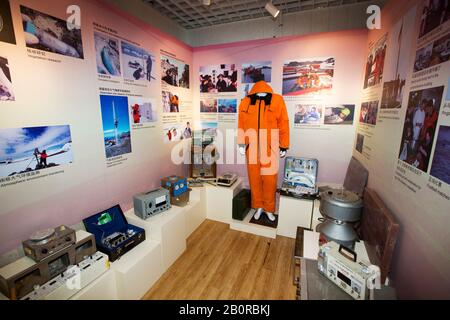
{"x":339,"y":264}
{"x":227,"y":179}
{"x":300,"y":176}
{"x":113,"y":235}
{"x":175,"y":184}
{"x":44,"y":243}
{"x":70,"y":282}
{"x":20,"y":277}
{"x":150,"y":203}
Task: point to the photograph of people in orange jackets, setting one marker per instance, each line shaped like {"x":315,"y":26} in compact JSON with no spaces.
{"x":263,"y":137}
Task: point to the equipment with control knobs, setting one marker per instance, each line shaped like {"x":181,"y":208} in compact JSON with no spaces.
{"x":44,"y":243}
{"x":339,"y":264}
{"x":113,"y":235}
{"x":175,"y":184}
{"x":150,"y":203}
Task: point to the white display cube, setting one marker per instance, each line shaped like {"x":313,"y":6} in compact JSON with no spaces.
{"x":219,"y":201}
{"x":138,"y":270}
{"x":167,"y":228}
{"x":102,"y":288}
{"x":195,"y":211}
{"x":293,"y":213}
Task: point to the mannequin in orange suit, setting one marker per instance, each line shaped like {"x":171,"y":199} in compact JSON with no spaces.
{"x":263,"y":137}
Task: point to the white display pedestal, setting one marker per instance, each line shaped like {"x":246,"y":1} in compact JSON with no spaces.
{"x":167,"y":228}
{"x":195,"y":211}
{"x":102,"y":288}
{"x":246,"y":226}
{"x":219,"y":201}
{"x":293,"y":213}
{"x":138,"y":270}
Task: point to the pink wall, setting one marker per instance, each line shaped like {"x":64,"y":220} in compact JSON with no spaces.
{"x":333,"y":148}
{"x":421,"y":264}
{"x":69,"y":205}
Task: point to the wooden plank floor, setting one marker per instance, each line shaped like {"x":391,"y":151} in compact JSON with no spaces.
{"x":225,"y":264}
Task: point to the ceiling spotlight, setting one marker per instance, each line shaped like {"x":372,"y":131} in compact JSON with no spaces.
{"x":206,"y":2}
{"x":272,"y":9}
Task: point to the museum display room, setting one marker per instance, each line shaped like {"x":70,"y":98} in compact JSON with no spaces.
{"x":224,"y":150}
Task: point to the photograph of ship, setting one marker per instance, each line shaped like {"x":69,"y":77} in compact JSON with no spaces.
{"x":116,"y":125}
{"x":170,"y":101}
{"x":143,"y":110}
{"x":218,"y":78}
{"x":435,"y":13}
{"x":23,"y":150}
{"x":359,"y":143}
{"x":307,"y":114}
{"x":396,"y":69}
{"x":420,"y":127}
{"x":107,"y":55}
{"x":6,"y":90}
{"x":51,"y":34}
{"x":208,"y":105}
{"x":137,"y":63}
{"x":308,"y":76}
{"x":209,"y":129}
{"x":340,"y":114}
{"x":369,"y":112}
{"x":6,"y":23}
{"x":433,"y":54}
{"x":256,"y":71}
{"x":440,"y":168}
{"x":174,"y":72}
{"x":375,"y":63}
{"x":227,"y":105}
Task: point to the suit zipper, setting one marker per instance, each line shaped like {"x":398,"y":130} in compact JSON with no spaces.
{"x":259,"y":125}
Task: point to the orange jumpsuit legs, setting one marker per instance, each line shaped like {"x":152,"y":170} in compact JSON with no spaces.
{"x":263,"y":188}
{"x":269,"y":185}
{"x":256,"y":185}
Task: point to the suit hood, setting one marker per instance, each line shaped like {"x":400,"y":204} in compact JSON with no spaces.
{"x":260,"y":87}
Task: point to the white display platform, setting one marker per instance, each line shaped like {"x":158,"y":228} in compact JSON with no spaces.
{"x":167,"y":228}
{"x":246,"y":226}
{"x":102,"y":288}
{"x":195,"y":211}
{"x":219,"y":201}
{"x":293,"y":213}
{"x":138,"y":270}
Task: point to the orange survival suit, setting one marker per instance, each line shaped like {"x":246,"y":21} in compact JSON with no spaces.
{"x":264,"y":131}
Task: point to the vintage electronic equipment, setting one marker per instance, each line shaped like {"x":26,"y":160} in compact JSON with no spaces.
{"x":44,"y":243}
{"x":203,"y":155}
{"x":175,"y":184}
{"x":113,"y":235}
{"x":20,"y":277}
{"x":227,"y":179}
{"x":181,"y":200}
{"x":74,"y":279}
{"x":341,"y":209}
{"x":356,"y":278}
{"x":300,"y":176}
{"x":241,"y":204}
{"x":150,"y":203}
